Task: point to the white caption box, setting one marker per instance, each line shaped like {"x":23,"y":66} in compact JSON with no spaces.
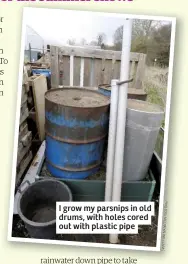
{"x":102,"y":217}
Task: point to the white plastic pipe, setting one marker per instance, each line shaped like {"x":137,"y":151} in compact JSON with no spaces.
{"x":111,"y":140}
{"x":121,"y":118}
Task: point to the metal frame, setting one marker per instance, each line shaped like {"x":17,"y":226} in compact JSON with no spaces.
{"x":33,"y":172}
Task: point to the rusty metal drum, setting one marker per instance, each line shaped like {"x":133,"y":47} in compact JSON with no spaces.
{"x":76,"y":125}
{"x":133,"y":93}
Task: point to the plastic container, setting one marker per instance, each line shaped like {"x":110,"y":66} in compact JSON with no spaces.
{"x":37,"y":206}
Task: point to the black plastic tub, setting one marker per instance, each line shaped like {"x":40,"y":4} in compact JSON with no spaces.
{"x":37,"y":206}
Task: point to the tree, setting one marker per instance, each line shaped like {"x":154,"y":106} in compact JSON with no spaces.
{"x":118,"y":37}
{"x":71,"y":41}
{"x":149,"y":37}
{"x":83,"y":42}
{"x":93,"y":43}
{"x":160,"y":45}
{"x":141,"y":30}
{"x":101,"y":39}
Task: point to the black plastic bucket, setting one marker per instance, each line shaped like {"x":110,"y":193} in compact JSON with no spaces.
{"x":37,"y":206}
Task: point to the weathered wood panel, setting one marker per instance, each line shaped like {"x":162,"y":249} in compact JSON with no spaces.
{"x":98,"y":70}
{"x":39,"y":87}
{"x":140,"y":71}
{"x":24,"y":146}
{"x":24,"y":112}
{"x":23,"y":165}
{"x":100,"y":67}
{"x":61,"y":68}
{"x":95,"y":53}
{"x":76,"y":76}
{"x":54,"y":54}
{"x":87,"y":71}
{"x":66,"y":70}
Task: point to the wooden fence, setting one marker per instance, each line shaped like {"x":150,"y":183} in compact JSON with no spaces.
{"x":75,"y":66}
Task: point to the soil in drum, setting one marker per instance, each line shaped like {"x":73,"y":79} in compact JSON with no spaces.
{"x":77,"y":98}
{"x":44,"y":215}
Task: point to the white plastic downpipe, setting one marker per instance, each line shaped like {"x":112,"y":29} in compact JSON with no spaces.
{"x":121,"y":118}
{"x":111,"y":140}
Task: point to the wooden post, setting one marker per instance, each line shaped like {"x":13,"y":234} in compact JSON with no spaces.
{"x":91,"y":72}
{"x":54,"y":66}
{"x":30,"y":58}
{"x":140,"y":71}
{"x":132,"y":74}
{"x":60,"y":68}
{"x":132,"y":69}
{"x":82,"y":72}
{"x":71,"y":70}
{"x":113,"y":66}
{"x":103,"y":71}
{"x":39,"y":87}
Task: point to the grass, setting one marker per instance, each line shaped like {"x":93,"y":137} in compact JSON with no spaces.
{"x":155,"y":84}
